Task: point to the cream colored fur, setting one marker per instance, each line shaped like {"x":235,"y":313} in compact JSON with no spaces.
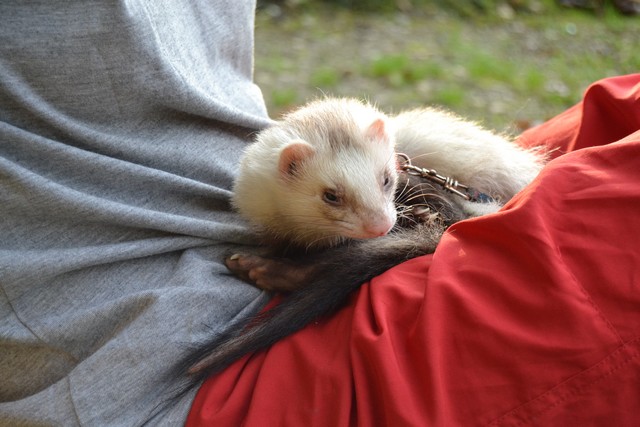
{"x":293,"y":209}
{"x":474,"y":156}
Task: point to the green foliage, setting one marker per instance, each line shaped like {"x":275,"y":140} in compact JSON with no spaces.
{"x":464,"y":8}
{"x":497,"y":68}
{"x":449,"y":95}
{"x":282,"y":98}
{"x":325,"y":77}
{"x":532,"y":80}
{"x":483,"y":66}
{"x":401,"y":70}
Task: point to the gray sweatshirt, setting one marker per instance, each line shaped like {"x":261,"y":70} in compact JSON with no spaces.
{"x":121,"y":124}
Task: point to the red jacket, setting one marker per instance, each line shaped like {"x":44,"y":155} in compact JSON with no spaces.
{"x":530,"y":316}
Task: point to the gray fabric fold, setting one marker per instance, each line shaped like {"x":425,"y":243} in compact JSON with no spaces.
{"x":121,"y":125}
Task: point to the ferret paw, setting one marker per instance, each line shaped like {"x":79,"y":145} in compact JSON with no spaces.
{"x":269,"y":274}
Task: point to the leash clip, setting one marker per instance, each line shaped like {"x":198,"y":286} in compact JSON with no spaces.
{"x":446,"y":182}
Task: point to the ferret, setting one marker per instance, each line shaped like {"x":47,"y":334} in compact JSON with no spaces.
{"x":327,"y":172}
{"x":325,"y":186}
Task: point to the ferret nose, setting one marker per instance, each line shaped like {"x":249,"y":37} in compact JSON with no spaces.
{"x":379,"y":228}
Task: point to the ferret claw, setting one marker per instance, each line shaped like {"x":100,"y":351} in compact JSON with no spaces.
{"x":267,"y":273}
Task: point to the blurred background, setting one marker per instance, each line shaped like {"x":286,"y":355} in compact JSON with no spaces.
{"x":508,"y":64}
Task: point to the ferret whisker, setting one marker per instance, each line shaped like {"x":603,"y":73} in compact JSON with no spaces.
{"x":423,"y":155}
{"x":405,"y":188}
{"x":425,"y":195}
{"x":410,"y":218}
{"x":402,"y":208}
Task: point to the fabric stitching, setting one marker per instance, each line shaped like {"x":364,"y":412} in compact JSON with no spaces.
{"x":572,"y":392}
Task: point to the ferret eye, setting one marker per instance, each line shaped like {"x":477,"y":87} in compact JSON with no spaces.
{"x":387,"y":180}
{"x":331,"y":197}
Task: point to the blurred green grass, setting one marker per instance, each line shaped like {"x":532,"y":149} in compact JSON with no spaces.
{"x":506,"y":64}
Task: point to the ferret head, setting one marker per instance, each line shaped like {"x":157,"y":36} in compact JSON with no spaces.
{"x":326,"y":173}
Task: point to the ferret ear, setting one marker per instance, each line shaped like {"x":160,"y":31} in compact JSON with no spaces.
{"x":378,"y":131}
{"x":292,"y":156}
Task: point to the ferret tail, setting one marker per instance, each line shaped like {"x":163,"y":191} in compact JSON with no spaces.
{"x":340,"y":271}
{"x":295,"y":311}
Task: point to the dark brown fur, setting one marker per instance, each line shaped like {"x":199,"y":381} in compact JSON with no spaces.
{"x":319,"y":283}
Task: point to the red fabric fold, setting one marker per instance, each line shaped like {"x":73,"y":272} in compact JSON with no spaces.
{"x":530,"y":316}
